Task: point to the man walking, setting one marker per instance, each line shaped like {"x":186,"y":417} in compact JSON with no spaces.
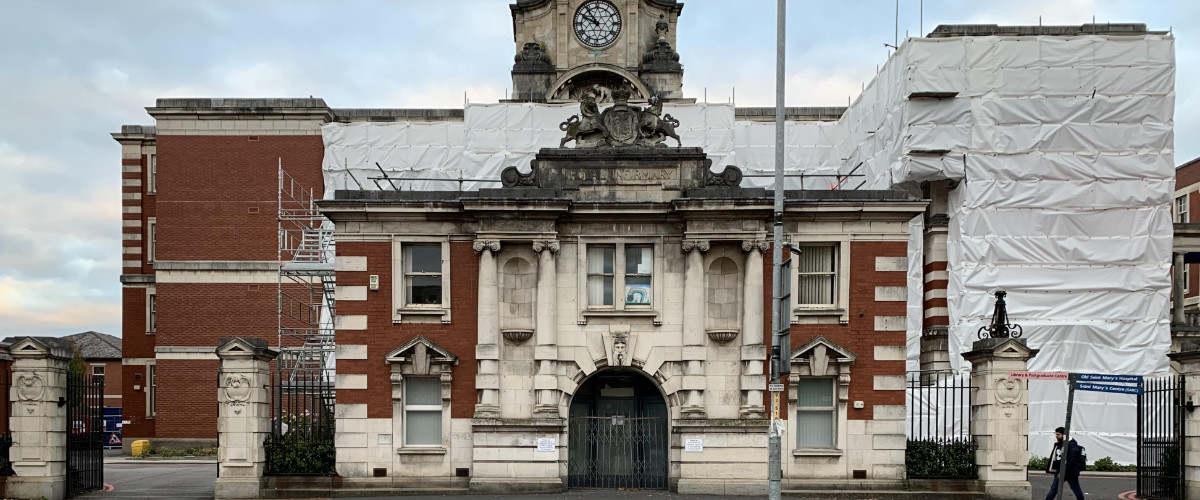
{"x":1073,"y":462}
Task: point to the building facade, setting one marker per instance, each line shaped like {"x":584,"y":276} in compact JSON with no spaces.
{"x":472,"y":324}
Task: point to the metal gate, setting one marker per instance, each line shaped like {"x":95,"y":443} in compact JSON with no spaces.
{"x":617,"y":452}
{"x":85,"y":433}
{"x":302,"y":423}
{"x":1160,"y":457}
{"x":940,"y":444}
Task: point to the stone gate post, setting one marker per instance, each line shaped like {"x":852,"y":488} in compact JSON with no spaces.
{"x":38,"y":419}
{"x":999,"y":420}
{"x":244,"y":420}
{"x":1189,"y":368}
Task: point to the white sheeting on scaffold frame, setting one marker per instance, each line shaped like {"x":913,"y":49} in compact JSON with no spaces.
{"x":1062,"y":148}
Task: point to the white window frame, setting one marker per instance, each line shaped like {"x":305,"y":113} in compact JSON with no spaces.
{"x":1182,"y":208}
{"x":404,"y":312}
{"x":151,"y":173}
{"x":101,"y":367}
{"x":832,"y":409}
{"x":837,"y":365}
{"x":811,"y":313}
{"x":619,"y":307}
{"x":151,"y":311}
{"x":419,"y":358}
{"x":151,"y":235}
{"x":440,"y":408}
{"x":151,"y":390}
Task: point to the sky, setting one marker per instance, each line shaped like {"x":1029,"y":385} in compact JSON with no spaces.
{"x":72,"y":72}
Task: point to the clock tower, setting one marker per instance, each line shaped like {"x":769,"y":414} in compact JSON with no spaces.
{"x":570,"y":48}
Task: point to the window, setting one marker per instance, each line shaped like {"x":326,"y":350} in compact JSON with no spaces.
{"x":151,"y":232}
{"x":817,"y":270}
{"x":151,"y":388}
{"x":635,"y":283}
{"x":98,"y":374}
{"x":152,"y":176}
{"x":151,"y":306}
{"x":639,"y":265}
{"x":422,"y":411}
{"x":1181,"y":209}
{"x":423,"y":274}
{"x":816,"y":413}
{"x":600,"y":274}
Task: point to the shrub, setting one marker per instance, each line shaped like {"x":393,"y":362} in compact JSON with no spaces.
{"x":1039,"y":463}
{"x":932,"y":458}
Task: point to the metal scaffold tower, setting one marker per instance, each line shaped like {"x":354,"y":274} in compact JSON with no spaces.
{"x":306,"y":285}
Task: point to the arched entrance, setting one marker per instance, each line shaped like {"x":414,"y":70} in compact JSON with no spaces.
{"x":617,"y":433}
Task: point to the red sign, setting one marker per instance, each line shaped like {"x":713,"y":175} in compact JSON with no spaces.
{"x":1038,"y":375}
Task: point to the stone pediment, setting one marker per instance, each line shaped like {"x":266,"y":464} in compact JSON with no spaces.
{"x":39,"y":347}
{"x":421,"y":351}
{"x":233,"y":347}
{"x":820,"y":353}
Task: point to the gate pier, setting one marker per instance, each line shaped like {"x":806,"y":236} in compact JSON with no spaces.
{"x":1189,"y":370}
{"x":243,"y":421}
{"x":38,"y":419}
{"x":999,"y":415}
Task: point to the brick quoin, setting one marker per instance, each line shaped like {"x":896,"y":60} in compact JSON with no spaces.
{"x":859,"y":335}
{"x":381,"y":336}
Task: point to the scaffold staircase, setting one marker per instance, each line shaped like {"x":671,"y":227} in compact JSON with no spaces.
{"x":306,"y":285}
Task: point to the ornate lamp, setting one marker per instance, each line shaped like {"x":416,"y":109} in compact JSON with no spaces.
{"x":1000,"y":327}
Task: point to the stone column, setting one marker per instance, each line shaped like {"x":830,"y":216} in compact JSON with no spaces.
{"x":1177,"y":286}
{"x":1189,"y":368}
{"x":753,"y":350}
{"x":546,"y":350}
{"x":243,"y":416}
{"x":38,"y":420}
{"x":935,"y":344}
{"x":487,"y":350}
{"x":999,"y":418}
{"x":694,"y":352}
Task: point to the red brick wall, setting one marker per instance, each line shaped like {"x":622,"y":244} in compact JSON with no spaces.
{"x":112,"y":383}
{"x":1186,"y":176}
{"x":198,"y":314}
{"x":859,"y":335}
{"x":134,"y":341}
{"x":381,"y":336}
{"x":133,"y":403}
{"x":210,"y":186}
{"x":187,"y":398}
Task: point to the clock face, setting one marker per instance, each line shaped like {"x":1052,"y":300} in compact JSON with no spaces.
{"x":597,"y":23}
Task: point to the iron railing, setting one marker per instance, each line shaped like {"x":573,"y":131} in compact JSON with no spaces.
{"x":617,"y":452}
{"x":1160,"y":456}
{"x":940,"y":443}
{"x":6,"y":436}
{"x":302,"y":425}
{"x":85,"y":433}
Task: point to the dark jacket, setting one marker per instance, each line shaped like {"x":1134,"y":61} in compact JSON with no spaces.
{"x":1074,"y":459}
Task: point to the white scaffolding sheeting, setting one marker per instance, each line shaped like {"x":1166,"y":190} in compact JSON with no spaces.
{"x":1062,"y":148}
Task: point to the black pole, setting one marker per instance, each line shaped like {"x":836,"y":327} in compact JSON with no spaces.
{"x":1066,"y":443}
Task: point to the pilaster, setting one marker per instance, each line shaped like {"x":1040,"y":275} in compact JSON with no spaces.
{"x":243,"y":417}
{"x":38,"y":420}
{"x":999,"y":416}
{"x":546,"y":351}
{"x":693,"y":328}
{"x":487,"y":351}
{"x":753,"y":350}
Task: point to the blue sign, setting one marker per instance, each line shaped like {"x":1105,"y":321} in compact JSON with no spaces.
{"x":1119,"y":389}
{"x":1110,"y":379}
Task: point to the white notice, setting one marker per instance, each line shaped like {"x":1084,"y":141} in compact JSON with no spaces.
{"x":546,"y":444}
{"x":694,"y":445}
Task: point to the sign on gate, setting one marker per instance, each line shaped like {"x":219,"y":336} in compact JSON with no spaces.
{"x":1038,"y":375}
{"x":1117,"y":389}
{"x":1118,"y":379}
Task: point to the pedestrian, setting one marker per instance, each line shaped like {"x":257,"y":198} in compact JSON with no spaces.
{"x":1074,"y":464}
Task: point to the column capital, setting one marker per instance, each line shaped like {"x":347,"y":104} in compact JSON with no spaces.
{"x":761,"y":245}
{"x":480,"y":245}
{"x":551,"y":245}
{"x":689,"y":245}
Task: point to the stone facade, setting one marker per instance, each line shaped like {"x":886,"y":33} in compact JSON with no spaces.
{"x":680,"y":301}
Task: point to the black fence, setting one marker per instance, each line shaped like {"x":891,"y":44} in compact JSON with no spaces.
{"x":5,"y":436}
{"x":1160,"y":457}
{"x":85,"y":433}
{"x":618,"y":452}
{"x":940,"y":444}
{"x":302,"y":426}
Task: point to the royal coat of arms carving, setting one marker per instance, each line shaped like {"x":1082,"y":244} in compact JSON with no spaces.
{"x":620,"y":125}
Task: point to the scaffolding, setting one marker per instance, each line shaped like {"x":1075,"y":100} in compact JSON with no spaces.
{"x":306,"y":285}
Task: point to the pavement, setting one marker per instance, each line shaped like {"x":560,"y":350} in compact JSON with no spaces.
{"x":1111,"y":486}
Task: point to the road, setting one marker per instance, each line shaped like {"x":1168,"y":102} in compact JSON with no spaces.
{"x":191,"y":481}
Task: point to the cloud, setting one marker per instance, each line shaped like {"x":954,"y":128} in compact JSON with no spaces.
{"x":41,"y":307}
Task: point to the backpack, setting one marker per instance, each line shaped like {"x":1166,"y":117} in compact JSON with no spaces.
{"x":1082,"y":457}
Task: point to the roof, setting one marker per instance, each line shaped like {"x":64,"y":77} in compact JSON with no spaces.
{"x":96,"y":345}
{"x":955,"y":30}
